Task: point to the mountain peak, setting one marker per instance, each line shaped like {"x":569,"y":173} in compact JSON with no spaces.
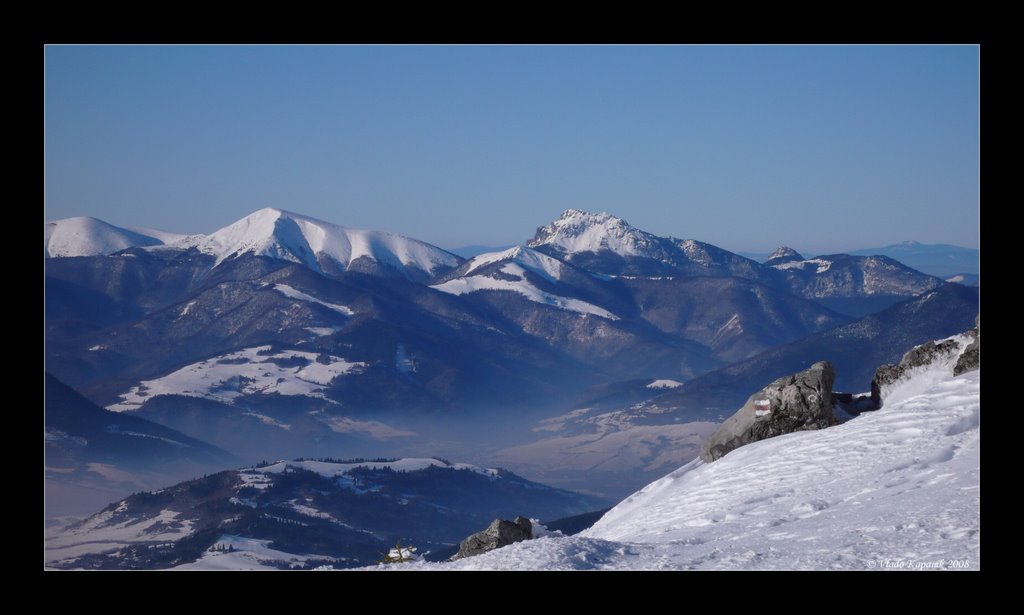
{"x":783,"y":254}
{"x":581,"y":231}
{"x":87,"y":236}
{"x":581,"y":217}
{"x":285,"y":235}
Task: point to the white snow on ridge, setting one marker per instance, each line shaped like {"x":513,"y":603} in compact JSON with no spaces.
{"x":84,"y":236}
{"x":292,"y":293}
{"x":895,"y":489}
{"x":461,"y":286}
{"x":539,"y":263}
{"x":332,"y":470}
{"x":664,"y":384}
{"x":322,"y":331}
{"x":165,"y":237}
{"x":268,"y":232}
{"x":293,"y":237}
{"x":245,"y":372}
{"x":822,"y":264}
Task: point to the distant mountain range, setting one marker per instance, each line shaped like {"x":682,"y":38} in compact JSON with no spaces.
{"x":281,"y":335}
{"x":941,"y":260}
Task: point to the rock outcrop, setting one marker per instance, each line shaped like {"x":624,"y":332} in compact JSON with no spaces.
{"x":971,"y":358}
{"x":793,"y":403}
{"x":499,"y":533}
{"x":967,"y":358}
{"x":783,"y":254}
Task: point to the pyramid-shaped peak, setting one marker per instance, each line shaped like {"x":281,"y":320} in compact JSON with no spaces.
{"x":783,"y":254}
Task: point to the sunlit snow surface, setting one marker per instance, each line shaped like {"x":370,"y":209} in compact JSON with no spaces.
{"x":520,"y":260}
{"x":102,"y":533}
{"x":533,"y":260}
{"x":289,"y":236}
{"x":821,"y":265}
{"x":665,"y":384}
{"x":292,"y":293}
{"x":895,"y":489}
{"x":245,"y":372}
{"x":248,"y":554}
{"x":332,"y":470}
{"x":84,"y":236}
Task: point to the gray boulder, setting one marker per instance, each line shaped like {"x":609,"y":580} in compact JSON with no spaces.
{"x":794,"y":403}
{"x":499,"y":533}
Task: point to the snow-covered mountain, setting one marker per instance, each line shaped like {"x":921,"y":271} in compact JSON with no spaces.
{"x":605,"y":244}
{"x":895,"y":489}
{"x":843,"y":275}
{"x":281,"y":335}
{"x":511,"y":275}
{"x":783,"y":254}
{"x":580,"y":231}
{"x":324,"y":247}
{"x":84,"y":236}
{"x":157,"y":331}
{"x":297,"y":514}
{"x":273,"y":233}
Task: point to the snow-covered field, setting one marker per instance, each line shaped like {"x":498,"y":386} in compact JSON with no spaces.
{"x":896,"y":489}
{"x":332,"y":470}
{"x":243,"y":554}
{"x":97,"y":534}
{"x":245,"y":372}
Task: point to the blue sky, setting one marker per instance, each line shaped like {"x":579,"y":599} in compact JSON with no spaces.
{"x":824,"y":148}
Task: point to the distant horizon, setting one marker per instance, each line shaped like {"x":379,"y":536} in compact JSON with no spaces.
{"x":510,"y":244}
{"x":822,"y":148}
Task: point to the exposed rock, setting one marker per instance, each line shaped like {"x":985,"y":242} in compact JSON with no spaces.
{"x":926,"y":353}
{"x":793,"y":403}
{"x":783,"y":254}
{"x":918,"y":356}
{"x":971,"y":358}
{"x":499,"y":533}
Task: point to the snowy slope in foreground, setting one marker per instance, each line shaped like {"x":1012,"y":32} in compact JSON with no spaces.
{"x":894,"y":489}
